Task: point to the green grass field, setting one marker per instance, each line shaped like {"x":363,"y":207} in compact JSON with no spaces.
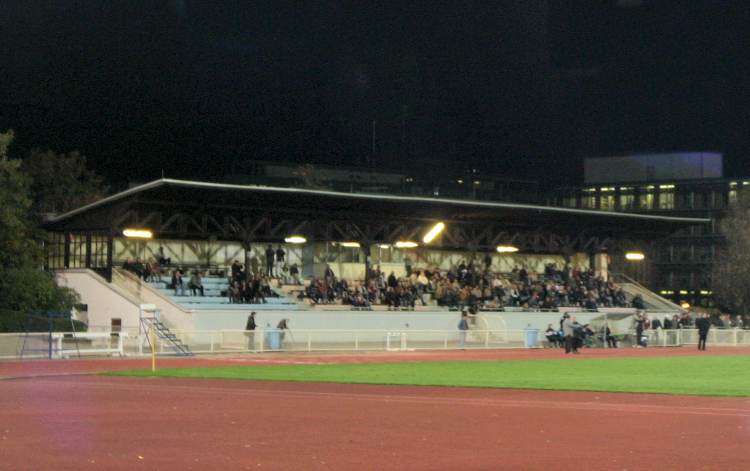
{"x":711,"y":376}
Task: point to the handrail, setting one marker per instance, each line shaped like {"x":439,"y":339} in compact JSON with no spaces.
{"x":651,"y":293}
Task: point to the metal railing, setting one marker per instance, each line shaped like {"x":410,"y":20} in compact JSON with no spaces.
{"x":63,"y":344}
{"x":332,"y":340}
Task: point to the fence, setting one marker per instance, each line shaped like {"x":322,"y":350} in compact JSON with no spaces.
{"x":61,"y":345}
{"x":272,"y":340}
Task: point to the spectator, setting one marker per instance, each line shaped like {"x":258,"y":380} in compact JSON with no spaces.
{"x":283,"y":326}
{"x":611,"y":341}
{"x":177,"y":282}
{"x":163,"y":260}
{"x":279,"y":259}
{"x":639,"y":322}
{"x":703,"y":323}
{"x":569,"y":331}
{"x":463,"y":327}
{"x":196,"y":283}
{"x":250,"y":331}
{"x":294,"y":274}
{"x":552,"y":336}
{"x":236,"y":271}
{"x":269,"y":260}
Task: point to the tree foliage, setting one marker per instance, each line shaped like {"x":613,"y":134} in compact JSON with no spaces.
{"x":731,"y":270}
{"x":61,"y":182}
{"x":24,"y":288}
{"x":17,"y":232}
{"x":29,"y":290}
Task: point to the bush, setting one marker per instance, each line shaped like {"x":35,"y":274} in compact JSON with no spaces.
{"x":13,"y":321}
{"x":29,"y":290}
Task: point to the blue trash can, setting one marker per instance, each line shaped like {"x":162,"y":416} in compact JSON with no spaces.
{"x":273,"y":339}
{"x":531,"y":337}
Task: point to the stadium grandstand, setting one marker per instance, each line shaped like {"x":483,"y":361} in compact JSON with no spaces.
{"x":205,"y":255}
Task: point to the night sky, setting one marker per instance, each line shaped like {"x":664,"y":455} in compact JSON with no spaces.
{"x":523,"y":88}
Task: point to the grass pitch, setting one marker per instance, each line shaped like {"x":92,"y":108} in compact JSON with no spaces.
{"x":705,"y":376}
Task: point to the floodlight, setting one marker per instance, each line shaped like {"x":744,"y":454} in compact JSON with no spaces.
{"x":295,"y":239}
{"x":353,"y":245}
{"x":406,"y":244}
{"x":436,"y":229}
{"x":507,"y":248}
{"x":635,"y":256}
{"x":138,"y":233}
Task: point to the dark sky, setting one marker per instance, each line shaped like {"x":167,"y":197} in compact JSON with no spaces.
{"x":523,"y":88}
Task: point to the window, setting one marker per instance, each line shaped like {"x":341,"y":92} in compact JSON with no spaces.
{"x":607,"y":202}
{"x":717,"y":200}
{"x":646,"y":200}
{"x":732,"y":195}
{"x":666,"y":200}
{"x":588,"y":198}
{"x":569,"y":202}
{"x":688,"y":200}
{"x":627,"y":201}
{"x":116,"y":325}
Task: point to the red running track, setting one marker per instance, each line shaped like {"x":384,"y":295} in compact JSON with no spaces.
{"x":91,"y":422}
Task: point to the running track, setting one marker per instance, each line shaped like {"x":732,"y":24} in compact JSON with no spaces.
{"x":50,"y":419}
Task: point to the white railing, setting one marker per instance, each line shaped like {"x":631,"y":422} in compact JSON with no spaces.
{"x":62,"y":344}
{"x":332,"y":340}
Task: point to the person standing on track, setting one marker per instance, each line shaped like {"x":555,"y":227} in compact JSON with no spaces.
{"x":282,"y":326}
{"x":569,"y":331}
{"x":703,"y":323}
{"x":250,"y":331}
{"x":463,"y":327}
{"x":639,"y":324}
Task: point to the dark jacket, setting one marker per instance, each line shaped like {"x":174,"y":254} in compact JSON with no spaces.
{"x":703,"y":324}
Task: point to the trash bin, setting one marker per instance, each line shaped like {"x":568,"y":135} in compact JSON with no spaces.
{"x":273,"y":339}
{"x":531,"y":337}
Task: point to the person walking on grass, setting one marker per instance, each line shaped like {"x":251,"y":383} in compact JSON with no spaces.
{"x":463,"y":327}
{"x":703,"y":323}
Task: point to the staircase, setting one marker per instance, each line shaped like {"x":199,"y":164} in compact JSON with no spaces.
{"x":163,"y":332}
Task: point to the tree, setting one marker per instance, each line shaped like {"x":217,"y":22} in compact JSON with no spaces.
{"x":61,"y":182}
{"x":18,"y":248}
{"x":731,"y":270}
{"x":29,"y":290}
{"x":24,"y":288}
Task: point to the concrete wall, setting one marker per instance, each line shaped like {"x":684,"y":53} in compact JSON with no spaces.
{"x":105,"y":301}
{"x":385,"y":320}
{"x":173,"y":315}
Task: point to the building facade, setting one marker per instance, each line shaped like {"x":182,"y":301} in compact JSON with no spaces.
{"x":681,"y":267}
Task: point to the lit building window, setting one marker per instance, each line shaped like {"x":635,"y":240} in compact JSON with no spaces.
{"x":732,"y":196}
{"x":626,"y":202}
{"x":646,"y":199}
{"x":588,"y":201}
{"x":607,"y":202}
{"x":666,"y":199}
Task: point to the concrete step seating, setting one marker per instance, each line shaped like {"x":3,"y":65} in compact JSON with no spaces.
{"x":239,"y":307}
{"x":213,"y":299}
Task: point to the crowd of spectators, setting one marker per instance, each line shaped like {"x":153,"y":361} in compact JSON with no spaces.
{"x":150,"y":270}
{"x":474,"y":286}
{"x":249,"y":287}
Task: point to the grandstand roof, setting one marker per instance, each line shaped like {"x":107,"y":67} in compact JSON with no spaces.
{"x":156,"y":203}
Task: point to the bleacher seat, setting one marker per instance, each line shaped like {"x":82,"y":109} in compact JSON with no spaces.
{"x":214,"y":296}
